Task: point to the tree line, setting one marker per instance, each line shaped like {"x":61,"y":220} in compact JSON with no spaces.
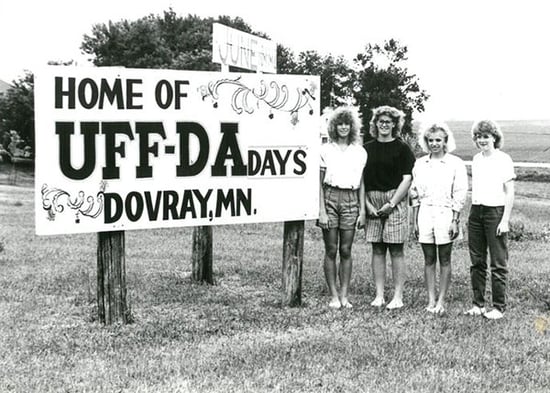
{"x":376,"y":76}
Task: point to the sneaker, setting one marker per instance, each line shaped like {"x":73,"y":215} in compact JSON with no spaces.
{"x":475,"y":311}
{"x":493,"y":314}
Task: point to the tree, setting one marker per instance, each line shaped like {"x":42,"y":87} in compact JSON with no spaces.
{"x":383,"y":79}
{"x":286,"y":64}
{"x":168,"y":41}
{"x":17,"y":109}
{"x":149,"y":42}
{"x":335,"y":73}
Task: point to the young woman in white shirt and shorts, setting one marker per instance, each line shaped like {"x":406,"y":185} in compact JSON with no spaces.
{"x":342,"y":207}
{"x":438,"y":193}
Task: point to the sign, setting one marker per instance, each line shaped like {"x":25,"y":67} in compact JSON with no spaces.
{"x":120,"y":149}
{"x":232,"y":47}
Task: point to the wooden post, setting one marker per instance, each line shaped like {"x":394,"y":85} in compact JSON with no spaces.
{"x":293,"y":258}
{"x":111,"y":278}
{"x":201,"y":257}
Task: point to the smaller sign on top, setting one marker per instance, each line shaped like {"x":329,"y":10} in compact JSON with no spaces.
{"x":235,"y":48}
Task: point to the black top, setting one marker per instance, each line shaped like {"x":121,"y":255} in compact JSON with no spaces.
{"x":387,"y":162}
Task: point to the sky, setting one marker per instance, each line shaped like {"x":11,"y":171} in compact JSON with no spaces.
{"x":475,"y":59}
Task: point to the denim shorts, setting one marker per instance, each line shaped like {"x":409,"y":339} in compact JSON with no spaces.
{"x":342,"y":207}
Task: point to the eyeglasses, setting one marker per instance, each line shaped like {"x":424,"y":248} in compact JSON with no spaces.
{"x":385,"y":122}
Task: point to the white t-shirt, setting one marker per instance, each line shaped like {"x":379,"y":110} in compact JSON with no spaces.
{"x":489,"y":173}
{"x":343,"y":167}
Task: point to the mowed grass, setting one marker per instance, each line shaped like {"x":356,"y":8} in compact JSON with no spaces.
{"x":235,"y":336}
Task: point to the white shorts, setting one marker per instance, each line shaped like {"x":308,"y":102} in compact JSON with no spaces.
{"x":433,"y":224}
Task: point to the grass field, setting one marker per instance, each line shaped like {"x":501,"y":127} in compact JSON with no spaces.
{"x":235,"y":336}
{"x":525,"y":141}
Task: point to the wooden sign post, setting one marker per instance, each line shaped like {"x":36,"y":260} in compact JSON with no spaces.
{"x":112,"y":305}
{"x":293,"y":258}
{"x":201,"y":257}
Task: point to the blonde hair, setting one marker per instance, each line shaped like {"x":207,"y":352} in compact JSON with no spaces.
{"x":488,"y":127}
{"x":396,"y":115}
{"x":344,"y":115}
{"x":428,"y":128}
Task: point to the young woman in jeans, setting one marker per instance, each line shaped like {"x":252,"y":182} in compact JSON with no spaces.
{"x":488,"y":224}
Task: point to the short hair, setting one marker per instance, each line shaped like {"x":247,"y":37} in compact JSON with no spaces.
{"x":345,"y":115}
{"x":488,"y":127}
{"x":396,"y":115}
{"x":427,"y":128}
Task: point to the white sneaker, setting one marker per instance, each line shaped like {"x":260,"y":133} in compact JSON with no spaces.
{"x":475,"y":311}
{"x":493,"y":314}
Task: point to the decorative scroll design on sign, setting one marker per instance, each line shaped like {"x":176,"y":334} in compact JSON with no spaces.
{"x":55,"y":200}
{"x":276,"y":97}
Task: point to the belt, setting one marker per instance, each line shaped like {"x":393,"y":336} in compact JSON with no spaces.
{"x":339,"y":188}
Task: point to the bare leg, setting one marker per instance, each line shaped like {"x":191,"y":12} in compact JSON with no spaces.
{"x":445,"y":275}
{"x":398,"y":274}
{"x":430,"y":259}
{"x":330,"y":237}
{"x":379,"y":272}
{"x":346,"y":240}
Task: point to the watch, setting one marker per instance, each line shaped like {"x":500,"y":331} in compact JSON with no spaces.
{"x":392,"y":205}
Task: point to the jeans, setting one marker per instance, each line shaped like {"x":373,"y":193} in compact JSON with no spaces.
{"x":482,"y":228}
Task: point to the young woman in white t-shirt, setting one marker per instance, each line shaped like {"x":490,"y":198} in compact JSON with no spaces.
{"x":342,"y":200}
{"x":488,"y":223}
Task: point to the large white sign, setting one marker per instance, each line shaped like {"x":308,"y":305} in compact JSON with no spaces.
{"x":120,"y":149}
{"x":232,"y":47}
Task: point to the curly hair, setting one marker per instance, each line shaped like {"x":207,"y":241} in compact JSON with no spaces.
{"x":396,"y":115}
{"x":488,"y":127}
{"x":345,"y":115}
{"x":450,"y":144}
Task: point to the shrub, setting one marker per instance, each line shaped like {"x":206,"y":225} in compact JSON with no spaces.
{"x":519,"y":233}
